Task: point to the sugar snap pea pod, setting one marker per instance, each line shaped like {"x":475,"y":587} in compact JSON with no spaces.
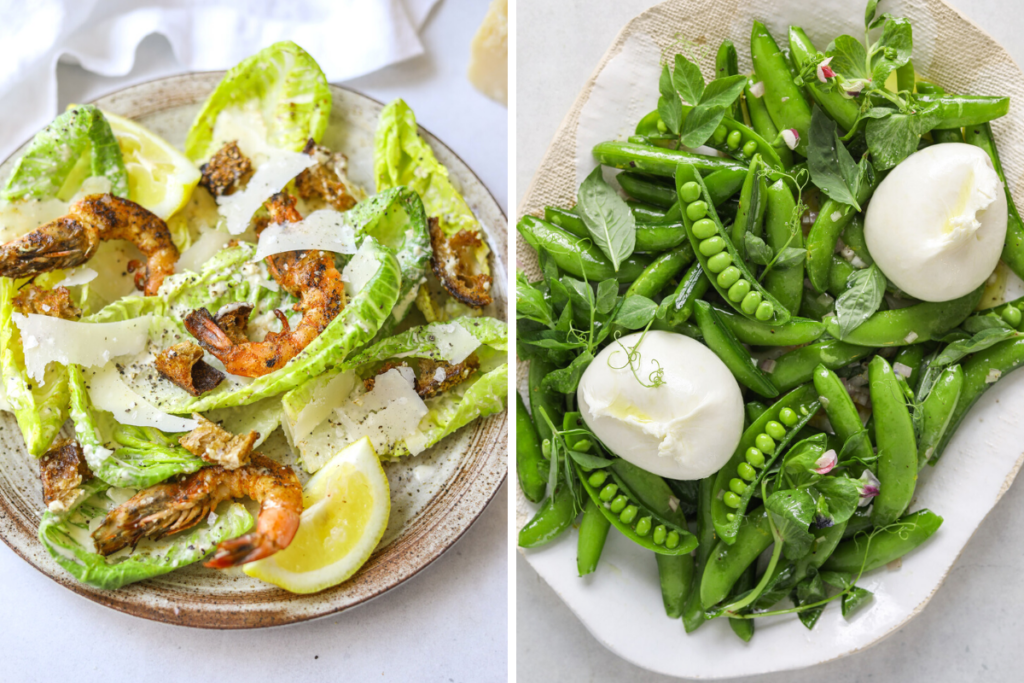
{"x":693,"y":612}
{"x":649,"y":490}
{"x":675,"y":573}
{"x":731,"y":137}
{"x":646,"y":213}
{"x":911,"y":325}
{"x":531,"y":466}
{"x":833,"y":217}
{"x":782,"y":231}
{"x":795,"y":367}
{"x":796,"y":332}
{"x":860,"y":521}
{"x":565,"y":219}
{"x":728,"y":561}
{"x":782,"y":96}
{"x":910,"y":357}
{"x":644,"y":526}
{"x":658,"y":161}
{"x":961,"y":111}
{"x":550,"y":402}
{"x":753,"y":202}
{"x":656,"y":238}
{"x":853,"y":236}
{"x":881,"y":548}
{"x":677,"y":308}
{"x":577,"y":256}
{"x":838,"y":275}
{"x":718,"y":256}
{"x":727,"y":347}
{"x":1013,"y":248}
{"x":842,"y":413}
{"x":744,"y":628}
{"x":763,"y":441}
{"x":981,"y":371}
{"x":555,"y":515}
{"x":844,"y":111}
{"x":816,"y":306}
{"x":761,"y":121}
{"x":754,"y":410}
{"x":646,"y":190}
{"x":727,"y":64}
{"x":937,"y":411}
{"x":661,"y":271}
{"x":590,"y":542}
{"x":723,"y":185}
{"x":897,"y":447}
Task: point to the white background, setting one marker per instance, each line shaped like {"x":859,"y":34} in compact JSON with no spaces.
{"x":972,"y":628}
{"x":448,"y":624}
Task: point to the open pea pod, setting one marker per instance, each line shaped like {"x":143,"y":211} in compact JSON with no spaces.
{"x":718,"y":256}
{"x":731,"y":137}
{"x":762,"y":442}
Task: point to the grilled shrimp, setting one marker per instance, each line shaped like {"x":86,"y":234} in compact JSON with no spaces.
{"x":71,"y":240}
{"x":308,"y":275}
{"x":166,"y":509}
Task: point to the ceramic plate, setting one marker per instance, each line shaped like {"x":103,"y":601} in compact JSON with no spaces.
{"x":435,"y":496}
{"x":621,"y":602}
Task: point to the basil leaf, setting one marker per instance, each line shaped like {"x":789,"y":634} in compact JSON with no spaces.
{"x":607,"y":293}
{"x":849,"y":57}
{"x":792,"y":512}
{"x":789,"y":257}
{"x":757,"y":251}
{"x":853,"y":600}
{"x":722,"y":92}
{"x":894,"y":49}
{"x":979,"y":342}
{"x":669,"y":107}
{"x":832,"y":168}
{"x":636,"y":311}
{"x":863,"y":296}
{"x":699,"y":124}
{"x":607,"y":217}
{"x":531,"y":302}
{"x":565,"y":380}
{"x":842,"y":495}
{"x":985,"y":321}
{"x":688,"y":81}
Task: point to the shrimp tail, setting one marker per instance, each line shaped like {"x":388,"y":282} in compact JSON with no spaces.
{"x":63,"y":243}
{"x":207,"y":332}
{"x":236,"y":551}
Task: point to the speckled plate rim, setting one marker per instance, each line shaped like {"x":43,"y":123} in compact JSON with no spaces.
{"x":435,"y":529}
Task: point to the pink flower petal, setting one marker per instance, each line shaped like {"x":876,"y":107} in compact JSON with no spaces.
{"x":870,"y":489}
{"x":826,"y":462}
{"x":825,"y":72}
{"x":757,"y":90}
{"x":791,"y":137}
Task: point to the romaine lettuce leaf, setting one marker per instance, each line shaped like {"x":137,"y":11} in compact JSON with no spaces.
{"x":288,"y":88}
{"x":58,"y":534}
{"x":55,"y":151}
{"x":40,"y":411}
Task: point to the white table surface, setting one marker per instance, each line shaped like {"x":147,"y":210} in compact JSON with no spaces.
{"x":447,"y":624}
{"x":970,"y":631}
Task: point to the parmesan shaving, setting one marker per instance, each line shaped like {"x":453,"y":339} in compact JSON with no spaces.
{"x":329,"y":397}
{"x":109,"y":392}
{"x":390,"y":412}
{"x":325,"y":230}
{"x":455,"y":343}
{"x":209,"y":244}
{"x":358,"y":271}
{"x":78,"y":276}
{"x":87,"y":344}
{"x":270,"y":178}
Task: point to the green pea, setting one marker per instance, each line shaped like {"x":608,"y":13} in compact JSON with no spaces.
{"x":775,"y":430}
{"x":629,"y":514}
{"x":608,"y":492}
{"x":755,"y":457}
{"x":1012,"y":315}
{"x":720,"y":135}
{"x":712,"y":245}
{"x":662,"y":127}
{"x":731,"y":499}
{"x":704,"y":228}
{"x":738,"y":291}
{"x":746,"y":471}
{"x":619,"y":504}
{"x":643,"y":527}
{"x":788,"y":417}
{"x":719,"y":262}
{"x":738,"y":486}
{"x":765,"y":443}
{"x":659,"y":534}
{"x":728,"y":277}
{"x":750,"y":148}
{"x":764,"y":311}
{"x":583,"y":445}
{"x":672,"y":540}
{"x":730,"y":516}
{"x":597,"y":478}
{"x":696,"y":210}
{"x":690,"y":192}
{"x":734,"y":139}
{"x":750,"y":302}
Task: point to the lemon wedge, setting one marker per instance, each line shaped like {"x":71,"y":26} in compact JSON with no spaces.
{"x":160,"y":178}
{"x":347,"y":503}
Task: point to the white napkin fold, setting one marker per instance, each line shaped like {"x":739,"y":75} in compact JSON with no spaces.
{"x":348,"y":38}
